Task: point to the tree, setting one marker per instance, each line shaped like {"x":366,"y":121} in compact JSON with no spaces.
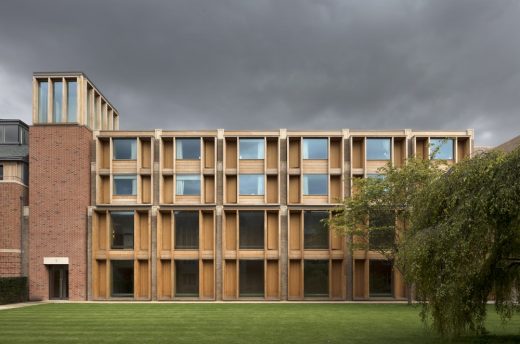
{"x":463,"y":243}
{"x":377,"y":215}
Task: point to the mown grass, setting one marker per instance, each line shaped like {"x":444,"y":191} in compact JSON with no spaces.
{"x":229,"y":323}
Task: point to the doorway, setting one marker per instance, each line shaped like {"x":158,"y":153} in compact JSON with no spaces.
{"x":58,"y":282}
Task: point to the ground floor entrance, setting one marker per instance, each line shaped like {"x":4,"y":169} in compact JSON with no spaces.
{"x":58,"y":282}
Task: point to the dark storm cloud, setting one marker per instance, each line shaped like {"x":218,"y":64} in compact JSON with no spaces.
{"x":277,"y":64}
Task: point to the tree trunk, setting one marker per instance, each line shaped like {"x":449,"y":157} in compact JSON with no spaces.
{"x":409,"y":293}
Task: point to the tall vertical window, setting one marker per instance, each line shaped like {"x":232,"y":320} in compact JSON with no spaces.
{"x":186,"y":230}
{"x":97,"y":115}
{"x":188,"y":184}
{"x":251,"y":229}
{"x":315,"y":232}
{"x":186,"y":278}
{"x":57,"y":108}
{"x":441,"y":149}
{"x":125,"y":149}
{"x":122,"y":278}
{"x":315,"y":184}
{"x":72,"y":101}
{"x":382,"y":230}
{"x":380,"y":278}
{"x":251,"y":149}
{"x":122,"y":236}
{"x":125,"y":185}
{"x":187,"y":149}
{"x":251,"y":184}
{"x":316,"y":278}
{"x":1,"y":172}
{"x":251,"y":280}
{"x":89,"y":107}
{"x":43,"y":90}
{"x":315,"y":148}
{"x":378,"y":148}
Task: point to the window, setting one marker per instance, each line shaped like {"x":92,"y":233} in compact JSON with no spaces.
{"x":186,"y":230}
{"x":11,"y":133}
{"x":382,"y":230}
{"x":25,"y":173}
{"x":125,"y":149}
{"x":72,"y":101}
{"x":122,"y":278}
{"x":188,"y":184}
{"x":315,"y":184}
{"x":315,"y":232}
{"x":441,"y":149}
{"x":375,"y":175}
{"x":1,"y":172}
{"x":315,"y":149}
{"x":25,"y":136}
{"x":378,"y":149}
{"x":122,"y":230}
{"x":251,"y":148}
{"x":251,"y":229}
{"x":251,"y":281}
{"x":251,"y":184}
{"x":316,"y":278}
{"x":57,"y":89}
{"x":188,"y":149}
{"x":125,"y":185}
{"x":43,"y":89}
{"x":380,"y":278}
{"x":186,"y":278}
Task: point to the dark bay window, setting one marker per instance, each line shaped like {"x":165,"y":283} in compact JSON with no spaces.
{"x":382,"y":230}
{"x":188,"y":184}
{"x":251,"y":184}
{"x":186,"y":278}
{"x":125,"y":185}
{"x":315,"y":232}
{"x":251,"y":280}
{"x":251,"y":149}
{"x":315,"y":184}
{"x":187,"y":149}
{"x":316,"y":278}
{"x":122,"y":273}
{"x":380,"y":278}
{"x":122,"y":234}
{"x":11,"y":134}
{"x":378,"y":148}
{"x":186,"y":230}
{"x":251,"y":229}
{"x":315,"y":148}
{"x":125,"y":149}
{"x":441,"y":149}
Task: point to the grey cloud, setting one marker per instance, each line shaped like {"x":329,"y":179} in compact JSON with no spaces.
{"x":277,"y":64}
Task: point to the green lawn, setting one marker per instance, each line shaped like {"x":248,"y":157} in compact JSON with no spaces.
{"x":228,"y":323}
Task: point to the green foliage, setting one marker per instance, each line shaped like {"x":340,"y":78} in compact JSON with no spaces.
{"x":463,"y":243}
{"x":13,"y":289}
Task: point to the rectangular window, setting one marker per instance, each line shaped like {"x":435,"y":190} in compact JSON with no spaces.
{"x":122,"y":230}
{"x":315,"y":184}
{"x":122,"y":278}
{"x":11,"y":133}
{"x":382,"y":230}
{"x":316,"y":278}
{"x":441,"y":149}
{"x":375,"y":175}
{"x":89,"y":107}
{"x":251,"y":280}
{"x":72,"y":101}
{"x":25,"y":174}
{"x":315,"y":232}
{"x":251,"y":149}
{"x":186,"y":230}
{"x":380,"y":278}
{"x":43,"y":89}
{"x":97,"y":108}
{"x":188,"y":184}
{"x":251,"y":229}
{"x":125,"y":149}
{"x":125,"y":185}
{"x":187,"y":149}
{"x":57,"y":89}
{"x":251,"y":184}
{"x":378,"y":148}
{"x":315,"y":149}
{"x":1,"y":172}
{"x":187,"y":278}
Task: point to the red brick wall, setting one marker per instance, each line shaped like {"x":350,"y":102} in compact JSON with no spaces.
{"x":59,"y":194}
{"x":11,"y":227}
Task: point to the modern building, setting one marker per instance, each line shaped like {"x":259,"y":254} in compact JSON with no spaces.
{"x":200,"y":215}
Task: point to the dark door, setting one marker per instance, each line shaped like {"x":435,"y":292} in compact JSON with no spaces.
{"x":58,"y":282}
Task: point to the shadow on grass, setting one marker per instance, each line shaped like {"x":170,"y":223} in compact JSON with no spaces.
{"x":491,"y":339}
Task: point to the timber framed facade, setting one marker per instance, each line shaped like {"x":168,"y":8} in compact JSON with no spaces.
{"x":203,"y":214}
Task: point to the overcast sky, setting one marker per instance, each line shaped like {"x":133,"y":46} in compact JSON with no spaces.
{"x":276,"y":64}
